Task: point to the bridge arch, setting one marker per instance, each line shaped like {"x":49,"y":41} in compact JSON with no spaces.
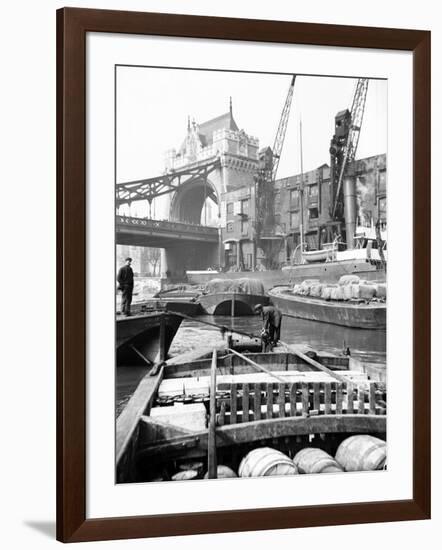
{"x":188,"y":201}
{"x":241,"y":308}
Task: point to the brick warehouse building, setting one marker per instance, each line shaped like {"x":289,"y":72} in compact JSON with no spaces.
{"x":232,"y":189}
{"x":239,"y":212}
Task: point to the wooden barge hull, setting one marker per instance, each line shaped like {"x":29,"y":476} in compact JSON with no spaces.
{"x":224,"y":303}
{"x":146,"y":335}
{"x":352,"y":315}
{"x":248,"y":412}
{"x":174,"y":305}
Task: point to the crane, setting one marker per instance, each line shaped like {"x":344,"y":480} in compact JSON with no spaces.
{"x":282,"y":128}
{"x":345,"y":143}
{"x":269,"y":162}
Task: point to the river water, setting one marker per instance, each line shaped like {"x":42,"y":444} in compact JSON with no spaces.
{"x":366,"y":345}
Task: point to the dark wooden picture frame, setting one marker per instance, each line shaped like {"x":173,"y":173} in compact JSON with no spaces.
{"x":72,"y":26}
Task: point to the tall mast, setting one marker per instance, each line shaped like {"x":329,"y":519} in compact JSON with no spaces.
{"x":301,"y":191}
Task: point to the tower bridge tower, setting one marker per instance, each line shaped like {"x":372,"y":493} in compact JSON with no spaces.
{"x":220,"y":138}
{"x":217,"y":138}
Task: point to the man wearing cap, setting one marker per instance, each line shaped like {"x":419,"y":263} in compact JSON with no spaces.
{"x":125,"y":280}
{"x":271,"y":325}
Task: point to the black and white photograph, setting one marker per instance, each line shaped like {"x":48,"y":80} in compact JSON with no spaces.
{"x":250,"y":274}
{"x":209,"y":201}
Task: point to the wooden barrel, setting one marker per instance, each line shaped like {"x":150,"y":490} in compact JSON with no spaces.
{"x":362,"y":452}
{"x":315,"y":461}
{"x":222,"y":472}
{"x":266,"y":462}
{"x":185,"y":475}
{"x":197,"y":466}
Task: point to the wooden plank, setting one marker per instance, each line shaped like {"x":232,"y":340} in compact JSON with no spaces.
{"x":372,"y":398}
{"x":245,"y":402}
{"x":350,"y":399}
{"x":143,"y":357}
{"x":235,"y":434}
{"x":281,"y":400}
{"x":233,"y":403}
{"x":184,"y":361}
{"x":316,"y":364}
{"x":222,"y":414}
{"x":316,"y":396}
{"x":162,"y":344}
{"x":153,"y":430}
{"x":269,"y":401}
{"x":361,"y":400}
{"x":211,"y":439}
{"x":259,"y":367}
{"x":305,"y":400}
{"x":138,"y":404}
{"x":339,"y":398}
{"x":292,"y":399}
{"x":257,"y":401}
{"x":327,"y":397}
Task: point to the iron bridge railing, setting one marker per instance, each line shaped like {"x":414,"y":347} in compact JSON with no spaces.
{"x":166,"y":226}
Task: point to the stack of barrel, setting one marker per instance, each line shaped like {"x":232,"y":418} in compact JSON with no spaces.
{"x":354,"y":454}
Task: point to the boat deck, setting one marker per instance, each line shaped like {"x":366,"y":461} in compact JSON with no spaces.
{"x":287,"y":399}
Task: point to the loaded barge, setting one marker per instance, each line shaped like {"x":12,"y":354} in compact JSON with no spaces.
{"x":354,"y":314}
{"x":209,"y":411}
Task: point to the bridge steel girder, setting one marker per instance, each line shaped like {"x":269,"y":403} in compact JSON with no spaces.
{"x":149,"y":189}
{"x":161,"y":234}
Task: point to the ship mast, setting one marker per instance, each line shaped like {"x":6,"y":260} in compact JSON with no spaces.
{"x":301,"y":192}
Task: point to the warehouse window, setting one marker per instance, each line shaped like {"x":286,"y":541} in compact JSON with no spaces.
{"x":294,"y":219}
{"x":313,"y":190}
{"x":245,"y":206}
{"x":229,"y":227}
{"x":229,"y":208}
{"x":294,"y":198}
{"x":382,"y":181}
{"x":277,"y":201}
{"x":313,"y":213}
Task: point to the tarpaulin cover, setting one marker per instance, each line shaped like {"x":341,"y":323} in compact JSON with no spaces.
{"x":316,"y":291}
{"x":250,"y":286}
{"x":326,"y":292}
{"x":348,"y":279}
{"x":337,"y":293}
{"x":350,"y":287}
{"x":381,"y":290}
{"x":245,"y":285}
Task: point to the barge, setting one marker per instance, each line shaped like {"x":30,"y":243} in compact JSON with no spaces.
{"x":145,"y":338}
{"x":199,"y":415}
{"x":354,"y":314}
{"x":231,"y":303}
{"x":233,"y":297}
{"x":172,"y":304}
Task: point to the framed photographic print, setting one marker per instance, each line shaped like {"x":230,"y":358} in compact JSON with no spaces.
{"x":235,"y":197}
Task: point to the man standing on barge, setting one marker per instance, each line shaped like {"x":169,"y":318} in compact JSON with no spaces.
{"x":125,"y":280}
{"x":271,"y":326}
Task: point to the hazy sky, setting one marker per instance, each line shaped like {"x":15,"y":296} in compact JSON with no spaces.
{"x":153,"y":105}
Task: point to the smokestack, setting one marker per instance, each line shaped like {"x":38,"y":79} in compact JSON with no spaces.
{"x":350,"y":210}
